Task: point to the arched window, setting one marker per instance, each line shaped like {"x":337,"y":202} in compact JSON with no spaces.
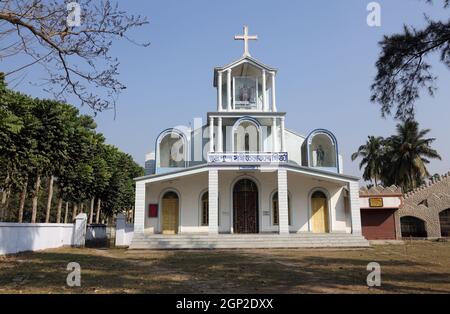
{"x":413,"y":227}
{"x":172,"y":151}
{"x":246,"y":136}
{"x":205,"y":209}
{"x":275,"y":210}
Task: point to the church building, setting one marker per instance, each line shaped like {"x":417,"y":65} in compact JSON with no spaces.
{"x":243,"y":179}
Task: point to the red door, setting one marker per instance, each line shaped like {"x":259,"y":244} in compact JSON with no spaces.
{"x":378,"y":224}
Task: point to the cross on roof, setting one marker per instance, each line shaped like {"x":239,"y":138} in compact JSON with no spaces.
{"x":246,"y":37}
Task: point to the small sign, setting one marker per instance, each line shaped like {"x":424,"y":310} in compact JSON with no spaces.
{"x":153,"y":210}
{"x":376,"y":202}
{"x":248,"y":167}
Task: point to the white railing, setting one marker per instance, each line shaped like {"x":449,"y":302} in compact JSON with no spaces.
{"x":281,"y":157}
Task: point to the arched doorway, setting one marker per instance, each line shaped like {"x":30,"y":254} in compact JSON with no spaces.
{"x":170,"y":209}
{"x":245,"y":207}
{"x":319,"y":212}
{"x":412,"y":227}
{"x":444,"y":219}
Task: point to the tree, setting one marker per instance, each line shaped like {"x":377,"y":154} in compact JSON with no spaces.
{"x":408,"y":154}
{"x":402,"y":69}
{"x":371,"y":155}
{"x":400,"y":159}
{"x":76,"y":58}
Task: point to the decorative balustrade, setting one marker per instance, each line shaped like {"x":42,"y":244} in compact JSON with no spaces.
{"x":281,"y":157}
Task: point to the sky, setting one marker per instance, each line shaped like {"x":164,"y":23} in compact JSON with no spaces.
{"x":324,"y":51}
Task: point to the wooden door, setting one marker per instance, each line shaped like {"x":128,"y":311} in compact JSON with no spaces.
{"x":319,"y":215}
{"x":245,"y":205}
{"x":170,"y":216}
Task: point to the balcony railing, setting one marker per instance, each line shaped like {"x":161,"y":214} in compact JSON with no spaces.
{"x":281,"y":157}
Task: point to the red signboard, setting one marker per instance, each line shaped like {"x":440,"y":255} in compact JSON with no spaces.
{"x":153,"y":210}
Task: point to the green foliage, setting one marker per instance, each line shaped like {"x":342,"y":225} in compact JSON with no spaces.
{"x":402,"y":67}
{"x":45,"y":138}
{"x":400,"y":159}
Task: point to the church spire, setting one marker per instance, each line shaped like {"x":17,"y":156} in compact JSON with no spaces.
{"x":246,"y":37}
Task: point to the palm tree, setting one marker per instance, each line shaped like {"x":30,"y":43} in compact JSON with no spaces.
{"x":408,"y":154}
{"x":371,"y":155}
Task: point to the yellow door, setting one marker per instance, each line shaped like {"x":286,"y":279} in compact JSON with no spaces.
{"x":319,"y":218}
{"x":170,"y":216}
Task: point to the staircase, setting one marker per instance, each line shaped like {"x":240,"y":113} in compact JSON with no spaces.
{"x":246,"y":241}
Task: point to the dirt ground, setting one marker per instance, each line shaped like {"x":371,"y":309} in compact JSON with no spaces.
{"x":414,"y":267}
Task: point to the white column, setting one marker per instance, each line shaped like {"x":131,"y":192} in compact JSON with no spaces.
{"x":355,"y":209}
{"x":219,"y":135}
{"x":229,"y":89}
{"x":274,"y":135}
{"x":283,"y":136}
{"x":274,"y":102}
{"x":120,"y":229}
{"x":264,"y":83}
{"x":139,"y":207}
{"x":219,"y":91}
{"x":211,"y":135}
{"x":283,"y":202}
{"x":79,"y":233}
{"x":213,"y":194}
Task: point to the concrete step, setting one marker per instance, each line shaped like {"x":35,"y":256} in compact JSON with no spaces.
{"x":145,"y":241}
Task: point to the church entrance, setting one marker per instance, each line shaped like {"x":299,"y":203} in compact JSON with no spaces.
{"x":170,"y":213}
{"x":319,"y":213}
{"x":245,"y":207}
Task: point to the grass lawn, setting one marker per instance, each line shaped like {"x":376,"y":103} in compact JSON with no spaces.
{"x":417,"y":267}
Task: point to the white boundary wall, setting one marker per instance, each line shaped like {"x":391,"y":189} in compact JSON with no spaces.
{"x":15,"y":237}
{"x":23,"y":237}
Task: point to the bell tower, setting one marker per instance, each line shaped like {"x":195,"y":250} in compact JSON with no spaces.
{"x":245,"y":85}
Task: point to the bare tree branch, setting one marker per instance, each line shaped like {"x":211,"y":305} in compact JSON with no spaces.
{"x":77,"y":59}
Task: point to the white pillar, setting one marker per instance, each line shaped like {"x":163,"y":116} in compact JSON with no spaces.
{"x":283,"y":213}
{"x":274,"y":102}
{"x":229,"y":89}
{"x":120,"y":230}
{"x":274,"y":135}
{"x":139,"y":207}
{"x":283,"y":136}
{"x":219,"y":135}
{"x":355,"y":209}
{"x":79,"y":235}
{"x":264,"y":83}
{"x":219,"y":91}
{"x":211,"y":135}
{"x":213,"y":201}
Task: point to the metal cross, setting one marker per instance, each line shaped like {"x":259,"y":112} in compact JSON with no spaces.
{"x":246,"y":38}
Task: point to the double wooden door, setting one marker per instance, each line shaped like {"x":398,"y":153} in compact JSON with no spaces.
{"x":245,"y":207}
{"x":319,"y":215}
{"x":170,"y":216}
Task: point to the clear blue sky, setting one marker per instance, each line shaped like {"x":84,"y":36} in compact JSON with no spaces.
{"x":324,"y":50}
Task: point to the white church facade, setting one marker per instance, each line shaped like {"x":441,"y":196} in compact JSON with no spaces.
{"x":244,"y":173}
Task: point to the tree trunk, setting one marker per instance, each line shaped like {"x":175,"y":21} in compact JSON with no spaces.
{"x":75,"y":210}
{"x":97,"y":216}
{"x":81,"y":207}
{"x":66,"y":213}
{"x":35,"y":199}
{"x":91,"y":214}
{"x":3,"y":205}
{"x":49,"y":199}
{"x":23,"y":197}
{"x":58,"y":212}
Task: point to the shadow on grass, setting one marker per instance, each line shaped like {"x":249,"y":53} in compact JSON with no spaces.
{"x":119,"y":271}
